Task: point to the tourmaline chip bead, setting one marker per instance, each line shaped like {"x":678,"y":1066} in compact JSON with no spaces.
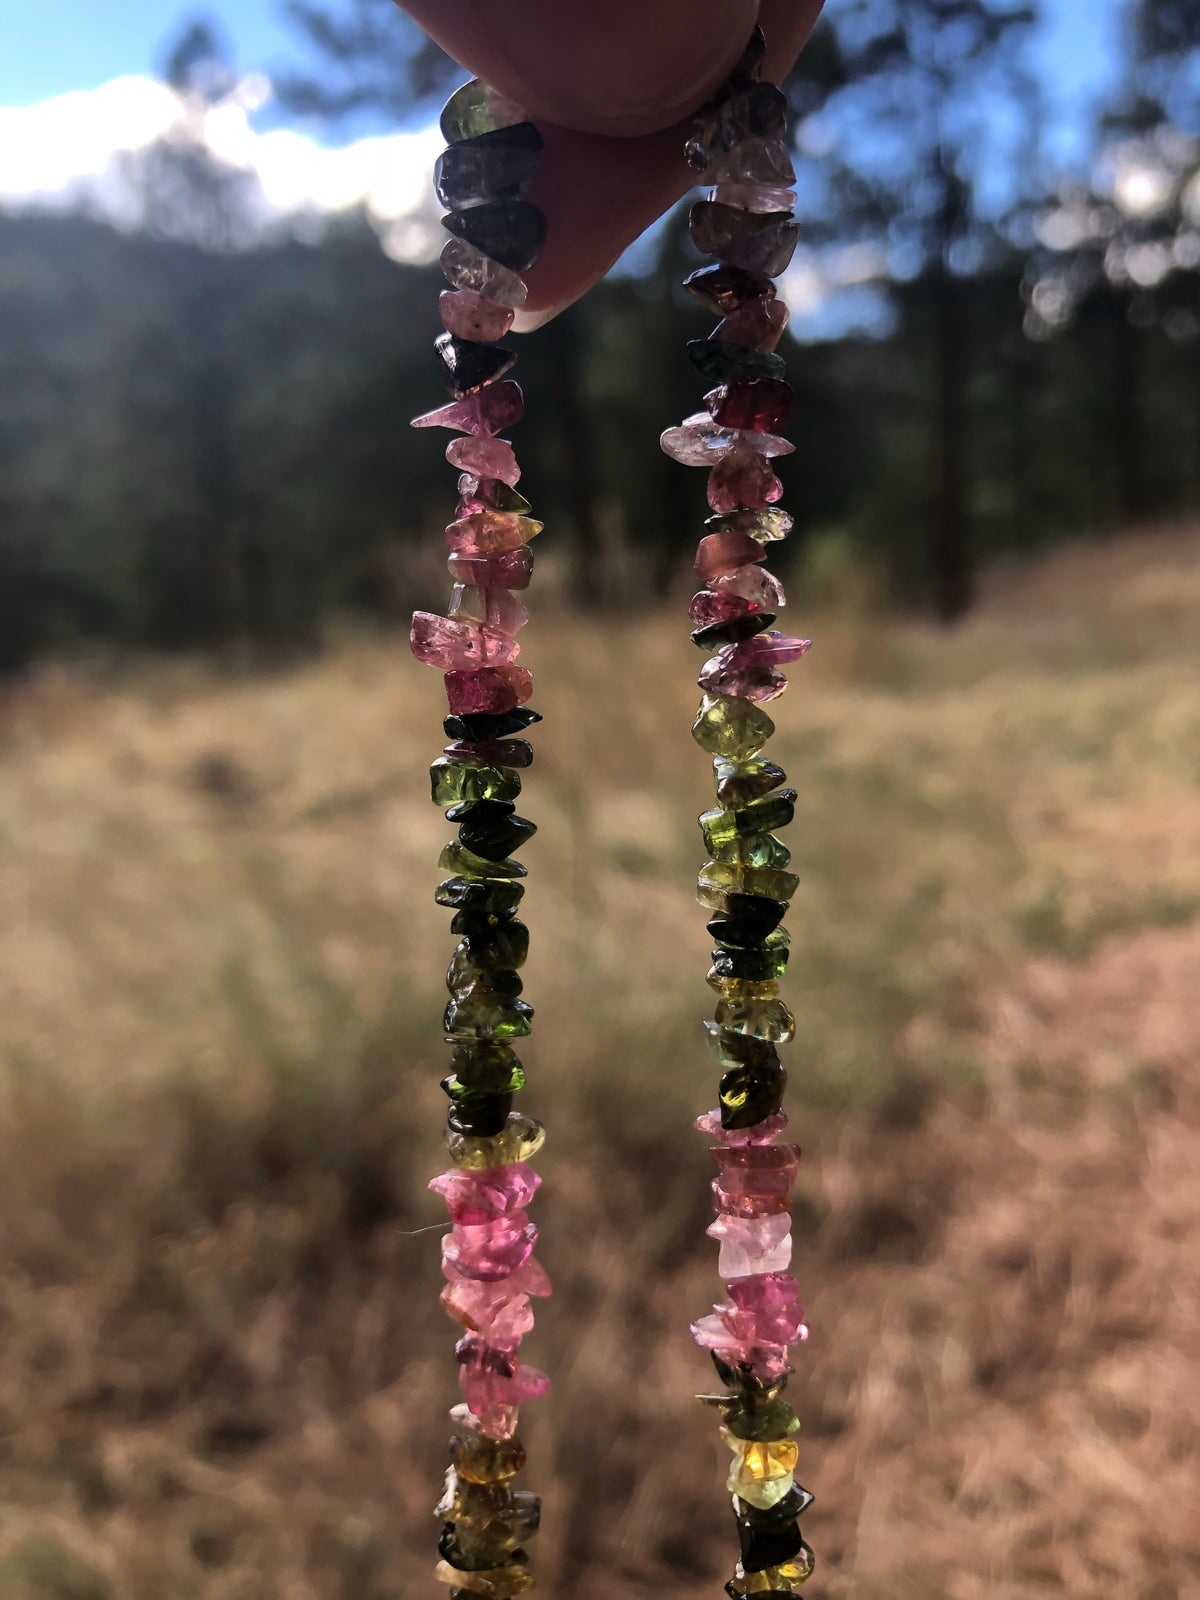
{"x":511,"y":232}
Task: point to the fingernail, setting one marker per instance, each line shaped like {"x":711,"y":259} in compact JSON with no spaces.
{"x":530,"y":321}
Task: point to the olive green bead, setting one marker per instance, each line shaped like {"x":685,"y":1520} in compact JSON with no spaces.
{"x":760,"y":1019}
{"x":481,"y":924}
{"x":722,"y":826}
{"x":451,"y":782}
{"x":767,"y":524}
{"x":458,"y":859}
{"x":777,"y":939}
{"x":748,"y":1095}
{"x":485,"y":1068}
{"x":755,"y":965}
{"x":482,"y":896}
{"x":519,"y":1140}
{"x":755,"y":850}
{"x":500,"y":497}
{"x":464,"y":976}
{"x":739,"y":782}
{"x":728,"y":726}
{"x":461,"y":1092}
{"x":730,"y":1050}
{"x":493,"y":942}
{"x":478,"y":1549}
{"x":773,"y":1420}
{"x":486,"y":1016}
{"x":736,"y":986}
{"x":719,"y":880}
{"x":476,"y":108}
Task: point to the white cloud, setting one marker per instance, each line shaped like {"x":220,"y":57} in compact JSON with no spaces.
{"x":82,"y":149}
{"x":45,"y":149}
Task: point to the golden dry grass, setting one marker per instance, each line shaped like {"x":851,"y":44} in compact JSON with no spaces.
{"x":222,"y":1371}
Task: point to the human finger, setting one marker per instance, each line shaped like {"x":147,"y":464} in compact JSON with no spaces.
{"x":600,"y":190}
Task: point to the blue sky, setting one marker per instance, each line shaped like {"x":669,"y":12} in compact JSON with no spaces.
{"x":48,"y":47}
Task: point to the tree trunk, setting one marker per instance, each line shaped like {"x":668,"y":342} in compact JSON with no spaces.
{"x":590,"y":573}
{"x":1020,"y":444}
{"x":953,"y":580}
{"x":1126,"y":421}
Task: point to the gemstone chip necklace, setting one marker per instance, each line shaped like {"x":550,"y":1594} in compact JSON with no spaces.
{"x":739,"y":147}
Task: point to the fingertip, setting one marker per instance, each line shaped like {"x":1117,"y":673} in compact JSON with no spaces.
{"x":620,"y":69}
{"x":598,"y":196}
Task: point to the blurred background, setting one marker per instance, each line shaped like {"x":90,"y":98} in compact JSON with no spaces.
{"x":223,"y":1374}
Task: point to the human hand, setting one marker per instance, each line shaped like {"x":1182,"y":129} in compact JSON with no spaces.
{"x":611,"y":85}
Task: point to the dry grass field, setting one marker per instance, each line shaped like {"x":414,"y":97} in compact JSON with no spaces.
{"x":222,"y":1369}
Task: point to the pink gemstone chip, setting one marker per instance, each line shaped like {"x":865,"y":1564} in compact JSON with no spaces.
{"x":760,"y":1133}
{"x":475,"y":494}
{"x":490,"y":689}
{"x":530,"y":1279}
{"x":756,"y":1157}
{"x":492,"y":1378}
{"x":741,"y":680}
{"x":778,"y":1321}
{"x":709,"y":607}
{"x":490,"y":752}
{"x":769,"y":649}
{"x":474,"y":1196}
{"x":764,"y":1181}
{"x":485,"y":458}
{"x":761,"y":1183}
{"x":728,"y":1204}
{"x":503,"y":1323}
{"x":759,"y":323}
{"x":734,"y":1325}
{"x":509,"y":569}
{"x":762,"y":1310}
{"x":743,"y":481}
{"x":498,"y":608}
{"x":490,"y":1250}
{"x":761,"y":588}
{"x":726,"y":552}
{"x":497,"y":1422}
{"x":768,"y":1362}
{"x":486,"y":533}
{"x":752,"y":1244}
{"x":698,"y":441}
{"x":499,"y":1310}
{"x":459,"y":646}
{"x":471,"y":316}
{"x":754,"y":197}
{"x":490,"y":411}
{"x":750,"y":669}
{"x":764,"y":1291}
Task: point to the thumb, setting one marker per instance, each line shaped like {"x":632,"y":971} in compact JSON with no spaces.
{"x":617,"y":67}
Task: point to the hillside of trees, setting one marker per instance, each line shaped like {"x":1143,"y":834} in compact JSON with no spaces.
{"x":205,"y":443}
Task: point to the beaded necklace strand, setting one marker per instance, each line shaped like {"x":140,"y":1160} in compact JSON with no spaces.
{"x":487,"y":1257}
{"x":746,"y":225}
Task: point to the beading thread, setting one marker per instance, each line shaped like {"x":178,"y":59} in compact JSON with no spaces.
{"x":746,"y":224}
{"x":482,"y":178}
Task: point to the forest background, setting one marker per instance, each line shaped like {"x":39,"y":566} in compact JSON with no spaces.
{"x":223,"y":1371}
{"x":203,"y":417}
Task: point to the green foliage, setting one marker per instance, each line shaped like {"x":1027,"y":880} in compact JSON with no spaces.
{"x":210,"y":448}
{"x":203,"y":432}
